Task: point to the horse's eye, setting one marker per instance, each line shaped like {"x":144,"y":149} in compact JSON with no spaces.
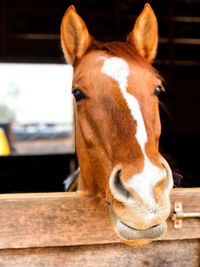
{"x":158,"y":90}
{"x":78,"y":94}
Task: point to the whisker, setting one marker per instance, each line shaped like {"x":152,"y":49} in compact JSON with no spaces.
{"x":167,"y":112}
{"x":97,"y":197}
{"x":177,"y":178}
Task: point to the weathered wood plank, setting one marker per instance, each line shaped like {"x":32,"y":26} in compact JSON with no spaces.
{"x":184,"y":253}
{"x":65,"y":219}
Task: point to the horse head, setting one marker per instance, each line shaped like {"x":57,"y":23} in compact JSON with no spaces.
{"x":118,"y":126}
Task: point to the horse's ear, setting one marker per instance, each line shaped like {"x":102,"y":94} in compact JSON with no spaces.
{"x":144,"y":35}
{"x":75,"y":37}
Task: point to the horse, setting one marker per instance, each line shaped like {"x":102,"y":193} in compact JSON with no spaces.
{"x":117,"y":125}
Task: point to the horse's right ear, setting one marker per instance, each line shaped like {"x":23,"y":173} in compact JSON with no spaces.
{"x":75,"y":37}
{"x":144,"y":35}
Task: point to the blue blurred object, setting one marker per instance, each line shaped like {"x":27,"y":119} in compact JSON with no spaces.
{"x":41,"y":131}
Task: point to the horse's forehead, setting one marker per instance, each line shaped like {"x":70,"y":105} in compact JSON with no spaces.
{"x":128,"y":73}
{"x":90,"y":65}
{"x":118,"y":69}
{"x":94,"y":62}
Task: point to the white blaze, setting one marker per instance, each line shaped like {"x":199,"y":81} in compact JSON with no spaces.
{"x":143,"y":182}
{"x":118,"y":69}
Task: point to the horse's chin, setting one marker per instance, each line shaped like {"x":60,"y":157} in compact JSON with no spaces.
{"x":135,"y":237}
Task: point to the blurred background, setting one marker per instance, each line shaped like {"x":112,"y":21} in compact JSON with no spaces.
{"x":36,"y":115}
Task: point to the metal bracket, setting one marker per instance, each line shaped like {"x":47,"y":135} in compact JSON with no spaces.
{"x":179,"y":215}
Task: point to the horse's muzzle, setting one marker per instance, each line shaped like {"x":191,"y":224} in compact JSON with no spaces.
{"x":126,"y":232}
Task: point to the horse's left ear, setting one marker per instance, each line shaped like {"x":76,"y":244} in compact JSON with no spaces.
{"x":144,"y":35}
{"x":75,"y":37}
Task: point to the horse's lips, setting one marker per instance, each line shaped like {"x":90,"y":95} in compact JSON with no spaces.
{"x":128,"y":233}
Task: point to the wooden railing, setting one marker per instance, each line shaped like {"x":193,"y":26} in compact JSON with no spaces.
{"x":63,"y":229}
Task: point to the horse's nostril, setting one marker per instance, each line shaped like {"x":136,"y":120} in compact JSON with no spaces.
{"x":119,"y":185}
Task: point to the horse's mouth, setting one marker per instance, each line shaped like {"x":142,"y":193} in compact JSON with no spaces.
{"x":126,"y":232}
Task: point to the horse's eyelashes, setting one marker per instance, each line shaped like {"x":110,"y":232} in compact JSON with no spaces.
{"x":78,"y":94}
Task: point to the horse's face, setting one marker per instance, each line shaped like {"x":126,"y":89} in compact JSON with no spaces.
{"x":118,"y":126}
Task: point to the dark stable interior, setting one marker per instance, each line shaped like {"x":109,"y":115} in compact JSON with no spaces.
{"x":29,"y":32}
